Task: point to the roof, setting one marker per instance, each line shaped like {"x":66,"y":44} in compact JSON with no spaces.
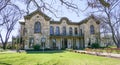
{"x":88,"y":18}
{"x":37,"y":12}
{"x":22,"y":22}
{"x":63,"y":18}
{"x":75,"y":23}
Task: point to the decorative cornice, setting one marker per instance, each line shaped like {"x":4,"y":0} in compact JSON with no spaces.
{"x":37,"y":12}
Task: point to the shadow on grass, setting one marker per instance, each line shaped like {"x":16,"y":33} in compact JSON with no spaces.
{"x":45,"y":52}
{"x":4,"y":63}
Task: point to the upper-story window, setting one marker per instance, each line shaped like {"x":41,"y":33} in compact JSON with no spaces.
{"x":64,"y":30}
{"x":24,"y":31}
{"x":70,"y":30}
{"x":92,"y":29}
{"x":57,"y":30}
{"x":51,"y":30}
{"x":37,"y":27}
{"x":76,"y":31}
{"x":81,"y":32}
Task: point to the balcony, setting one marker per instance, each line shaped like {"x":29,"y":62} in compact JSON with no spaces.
{"x":66,"y":35}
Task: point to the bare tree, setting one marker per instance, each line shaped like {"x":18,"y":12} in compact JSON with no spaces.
{"x":52,"y":6}
{"x":4,"y":4}
{"x":9,"y":16}
{"x":109,"y":12}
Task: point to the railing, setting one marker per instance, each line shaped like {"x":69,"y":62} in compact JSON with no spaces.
{"x":66,"y":34}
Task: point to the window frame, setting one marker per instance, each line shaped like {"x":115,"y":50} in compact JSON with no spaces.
{"x":76,"y":31}
{"x":64,"y":30}
{"x":92,"y":29}
{"x":51,"y":30}
{"x":70,"y":31}
{"x":37,"y":27}
{"x":57,"y":30}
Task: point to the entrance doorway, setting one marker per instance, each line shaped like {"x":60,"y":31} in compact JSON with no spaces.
{"x":65,"y":43}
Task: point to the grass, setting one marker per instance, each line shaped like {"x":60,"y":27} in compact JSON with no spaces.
{"x":55,"y":58}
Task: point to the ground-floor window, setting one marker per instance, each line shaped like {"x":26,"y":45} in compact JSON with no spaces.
{"x":43,"y":40}
{"x":54,"y":43}
{"x":74,"y":44}
{"x":31,"y":42}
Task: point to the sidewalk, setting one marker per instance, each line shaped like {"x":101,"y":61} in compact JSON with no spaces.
{"x":112,"y":55}
{"x":11,"y":51}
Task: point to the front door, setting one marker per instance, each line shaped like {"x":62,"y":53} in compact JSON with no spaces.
{"x":65,"y":43}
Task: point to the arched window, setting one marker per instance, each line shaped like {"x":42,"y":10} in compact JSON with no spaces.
{"x":92,"y":29}
{"x":51,"y":30}
{"x":76,"y":31}
{"x":37,"y":27}
{"x":64,"y":30}
{"x":57,"y":30}
{"x":70,"y":30}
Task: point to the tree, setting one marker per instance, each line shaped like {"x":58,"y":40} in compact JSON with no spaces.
{"x":4,"y":4}
{"x":110,"y":15}
{"x":9,"y":16}
{"x":50,"y":5}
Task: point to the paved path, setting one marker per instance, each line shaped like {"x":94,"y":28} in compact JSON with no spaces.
{"x":12,"y":51}
{"x":99,"y":54}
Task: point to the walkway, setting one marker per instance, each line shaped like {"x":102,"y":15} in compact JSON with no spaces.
{"x":112,"y":55}
{"x":11,"y":51}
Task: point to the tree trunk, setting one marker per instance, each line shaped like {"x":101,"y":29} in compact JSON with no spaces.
{"x":4,"y":46}
{"x":118,"y":45}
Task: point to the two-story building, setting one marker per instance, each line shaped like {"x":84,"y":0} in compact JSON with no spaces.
{"x":38,"y":28}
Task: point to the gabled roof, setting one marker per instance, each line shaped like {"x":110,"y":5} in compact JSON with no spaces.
{"x":63,"y":18}
{"x":88,"y":18}
{"x":37,"y":12}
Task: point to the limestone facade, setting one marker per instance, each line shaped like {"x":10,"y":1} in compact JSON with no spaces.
{"x":58,"y":34}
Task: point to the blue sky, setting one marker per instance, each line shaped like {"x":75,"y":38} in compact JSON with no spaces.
{"x":63,"y":12}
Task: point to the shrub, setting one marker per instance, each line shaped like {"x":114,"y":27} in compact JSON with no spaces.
{"x":9,"y":47}
{"x":36,"y":47}
{"x":95,"y":46}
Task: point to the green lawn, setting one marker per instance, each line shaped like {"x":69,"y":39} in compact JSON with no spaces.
{"x":55,"y":58}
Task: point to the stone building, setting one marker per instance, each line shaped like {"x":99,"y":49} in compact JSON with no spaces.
{"x":38,"y":28}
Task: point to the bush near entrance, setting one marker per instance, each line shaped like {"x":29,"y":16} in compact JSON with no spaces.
{"x":36,"y":47}
{"x":95,"y":46}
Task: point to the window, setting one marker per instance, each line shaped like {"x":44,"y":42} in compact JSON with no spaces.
{"x":80,"y":31}
{"x":57,"y":30}
{"x":70,"y":30}
{"x":24,"y":31}
{"x":76,"y":32}
{"x":37,"y":27}
{"x":54,"y":43}
{"x":51,"y":30}
{"x":31,"y":42}
{"x":64,"y":30}
{"x":92,"y":29}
